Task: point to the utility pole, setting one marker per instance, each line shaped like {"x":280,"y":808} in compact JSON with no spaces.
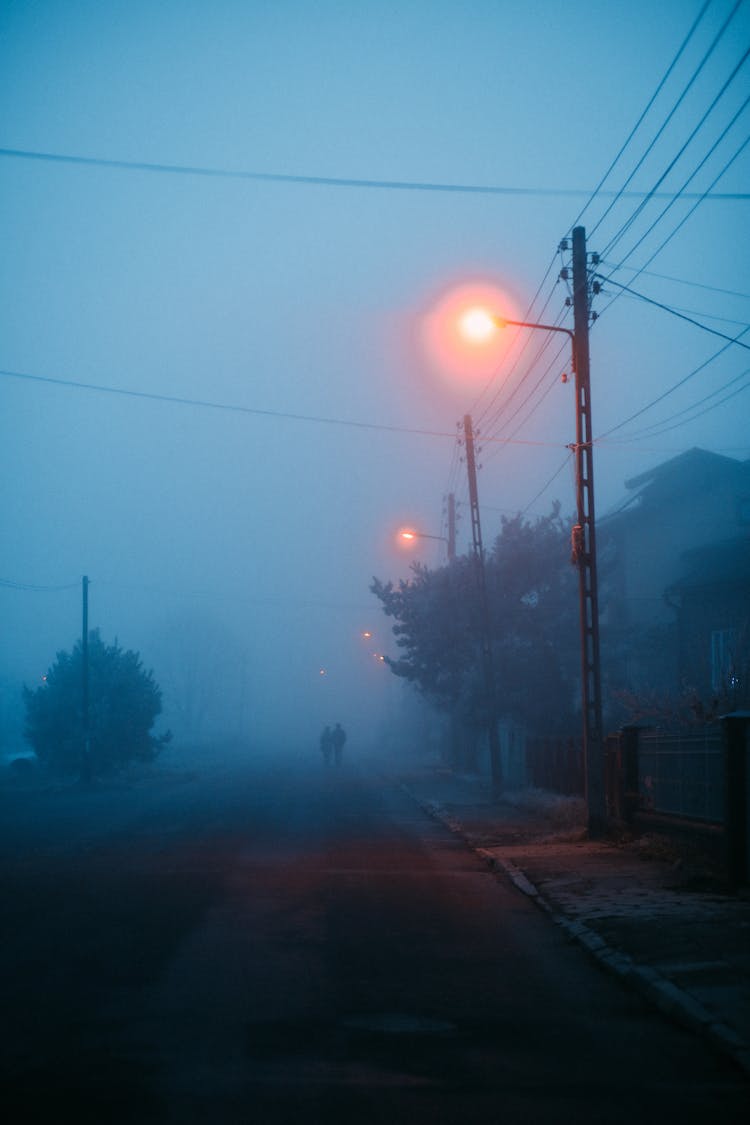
{"x":451,"y":527}
{"x":584,"y":548}
{"x":86,"y":756}
{"x":488,"y":668}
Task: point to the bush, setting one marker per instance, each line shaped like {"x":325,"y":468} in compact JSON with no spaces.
{"x":124,"y":702}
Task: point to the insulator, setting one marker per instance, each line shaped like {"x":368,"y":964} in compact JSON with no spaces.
{"x":595,"y":259}
{"x":563,"y":245}
{"x":597,"y":288}
{"x":564,"y":377}
{"x":594,"y":316}
{"x":564,"y":274}
{"x":568,"y":302}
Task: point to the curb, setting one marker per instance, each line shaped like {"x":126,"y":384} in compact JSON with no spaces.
{"x":658,"y":990}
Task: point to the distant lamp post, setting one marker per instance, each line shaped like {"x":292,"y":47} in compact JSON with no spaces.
{"x":408,"y":536}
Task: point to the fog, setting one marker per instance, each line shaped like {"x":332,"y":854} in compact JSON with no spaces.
{"x":219,"y":398}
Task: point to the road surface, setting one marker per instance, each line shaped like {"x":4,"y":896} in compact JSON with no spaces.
{"x":276,"y":942}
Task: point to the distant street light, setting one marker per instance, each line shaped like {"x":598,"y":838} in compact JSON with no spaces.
{"x":408,"y":536}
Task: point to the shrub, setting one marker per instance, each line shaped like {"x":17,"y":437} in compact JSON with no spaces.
{"x":124,"y":702}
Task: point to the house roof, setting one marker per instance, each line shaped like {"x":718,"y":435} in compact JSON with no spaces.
{"x":687,"y":469}
{"x":691,"y":471}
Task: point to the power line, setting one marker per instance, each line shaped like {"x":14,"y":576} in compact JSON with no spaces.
{"x":172,"y":592}
{"x":9,"y":584}
{"x":639,"y":122}
{"x":671,"y":114}
{"x":626,"y":226}
{"x":698,"y":312}
{"x":315,"y":181}
{"x":503,"y":407}
{"x":676,"y":280}
{"x":681,"y":223}
{"x":526,"y":316}
{"x":206,"y":404}
{"x":669,"y":391}
{"x":666,"y":308}
{"x":528,"y":342}
{"x":671,"y":423}
{"x":693,"y":174}
{"x":503,"y":441}
{"x":551,"y":480}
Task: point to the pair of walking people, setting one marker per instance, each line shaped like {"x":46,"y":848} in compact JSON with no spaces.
{"x":332,"y":744}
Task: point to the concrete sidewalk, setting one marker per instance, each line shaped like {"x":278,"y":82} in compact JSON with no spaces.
{"x":660,"y":920}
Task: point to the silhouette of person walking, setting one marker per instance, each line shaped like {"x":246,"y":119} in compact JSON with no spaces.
{"x":338,"y":738}
{"x":326,"y":745}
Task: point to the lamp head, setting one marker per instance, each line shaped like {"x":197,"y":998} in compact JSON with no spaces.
{"x":478,"y":325}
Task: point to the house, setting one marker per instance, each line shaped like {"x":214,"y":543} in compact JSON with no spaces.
{"x":712,"y":604}
{"x":674,"y":575}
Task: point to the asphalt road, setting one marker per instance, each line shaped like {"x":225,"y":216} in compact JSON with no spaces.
{"x":280,"y":943}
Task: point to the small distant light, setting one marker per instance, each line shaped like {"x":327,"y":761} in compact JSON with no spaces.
{"x":367,"y":635}
{"x":323,"y":672}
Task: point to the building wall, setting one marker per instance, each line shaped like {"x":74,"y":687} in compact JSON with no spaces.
{"x":646,"y":544}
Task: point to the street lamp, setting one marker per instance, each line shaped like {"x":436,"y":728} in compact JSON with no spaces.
{"x":408,"y":535}
{"x":477,"y":324}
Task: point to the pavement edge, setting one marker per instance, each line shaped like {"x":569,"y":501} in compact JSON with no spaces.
{"x":670,"y":1000}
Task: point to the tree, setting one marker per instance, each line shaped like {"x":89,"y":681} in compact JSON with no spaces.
{"x":124,"y":702}
{"x":531,"y":590}
{"x":533,"y":596}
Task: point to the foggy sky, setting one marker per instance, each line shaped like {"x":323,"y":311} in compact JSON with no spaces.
{"x":309,"y":300}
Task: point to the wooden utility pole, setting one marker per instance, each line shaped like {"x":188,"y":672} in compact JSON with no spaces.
{"x":584,"y":548}
{"x":85,"y":708}
{"x":451,"y":526}
{"x":488,"y":667}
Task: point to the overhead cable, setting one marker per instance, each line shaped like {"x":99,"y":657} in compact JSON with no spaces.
{"x":307,"y":180}
{"x":670,"y":390}
{"x":673,"y":422}
{"x":679,"y":226}
{"x":681,"y":316}
{"x":626,"y":226}
{"x":639,"y":122}
{"x":671,"y":113}
{"x":232,"y":408}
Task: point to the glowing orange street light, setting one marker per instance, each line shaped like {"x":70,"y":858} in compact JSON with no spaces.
{"x":408,"y":536}
{"x":478,"y":325}
{"x":367,"y":635}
